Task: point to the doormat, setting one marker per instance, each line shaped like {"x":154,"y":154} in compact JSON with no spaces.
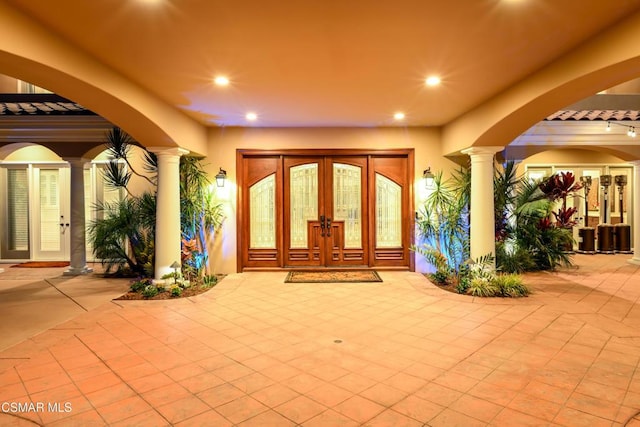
{"x":42,"y":264}
{"x":332,"y":276}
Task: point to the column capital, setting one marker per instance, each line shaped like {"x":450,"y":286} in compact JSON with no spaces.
{"x":472,"y":151}
{"x":635,"y":163}
{"x":77,"y":161}
{"x":168,"y":151}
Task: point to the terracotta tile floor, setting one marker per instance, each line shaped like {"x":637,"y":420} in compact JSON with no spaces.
{"x":255,"y":351}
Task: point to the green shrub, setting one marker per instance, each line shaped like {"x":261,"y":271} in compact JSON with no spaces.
{"x":510,"y":285}
{"x":480,"y":287}
{"x":139,"y":285}
{"x":176,"y":291}
{"x":150,"y":291}
{"x":209,"y":280}
{"x":463,"y":285}
{"x":439,"y":278}
{"x":514,"y":260}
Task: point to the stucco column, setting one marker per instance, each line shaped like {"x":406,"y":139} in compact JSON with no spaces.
{"x":77,"y":227}
{"x":636,"y":213}
{"x":482,"y":220}
{"x":168,"y":237}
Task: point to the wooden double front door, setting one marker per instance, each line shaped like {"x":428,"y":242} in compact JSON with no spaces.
{"x":336,"y":208}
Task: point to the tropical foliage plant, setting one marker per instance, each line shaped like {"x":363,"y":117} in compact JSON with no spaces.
{"x":529,"y":234}
{"x":123,"y":235}
{"x":560,"y":187}
{"x":444,"y":226}
{"x":200,"y":217}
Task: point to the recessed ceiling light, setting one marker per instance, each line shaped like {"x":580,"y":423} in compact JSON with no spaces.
{"x":432,"y":81}
{"x":251,"y":117}
{"x":399,"y":115}
{"x":221,"y":81}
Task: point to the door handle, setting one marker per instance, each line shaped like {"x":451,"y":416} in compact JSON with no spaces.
{"x":321,"y":225}
{"x":328,"y":227}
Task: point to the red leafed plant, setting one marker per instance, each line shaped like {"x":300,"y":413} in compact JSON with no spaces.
{"x":188,"y":248}
{"x":561,"y":186}
{"x":545,"y":224}
{"x":564,"y":217}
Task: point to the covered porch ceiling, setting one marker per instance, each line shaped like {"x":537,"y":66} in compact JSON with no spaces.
{"x":325,"y":64}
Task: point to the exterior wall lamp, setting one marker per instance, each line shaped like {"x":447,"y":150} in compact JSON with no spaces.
{"x":221,"y":177}
{"x":428,"y":177}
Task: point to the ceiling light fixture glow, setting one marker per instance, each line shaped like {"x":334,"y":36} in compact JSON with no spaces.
{"x":251,"y":117}
{"x":432,"y":81}
{"x":399,"y":115}
{"x":221,"y":81}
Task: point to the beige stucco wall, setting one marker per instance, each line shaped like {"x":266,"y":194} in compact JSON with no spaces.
{"x":28,"y":153}
{"x":223,"y":144}
{"x":570,"y":157}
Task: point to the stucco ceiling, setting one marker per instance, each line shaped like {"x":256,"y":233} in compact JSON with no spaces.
{"x":326,"y":63}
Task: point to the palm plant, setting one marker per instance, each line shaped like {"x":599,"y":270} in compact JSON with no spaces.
{"x":119,"y":145}
{"x":200,"y":216}
{"x":535,"y":233}
{"x":505,"y":183}
{"x":123,"y":236}
{"x":526,"y":239}
{"x":444,"y":226}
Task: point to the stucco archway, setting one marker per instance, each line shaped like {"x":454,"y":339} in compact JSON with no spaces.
{"x":29,"y":52}
{"x":611,"y":58}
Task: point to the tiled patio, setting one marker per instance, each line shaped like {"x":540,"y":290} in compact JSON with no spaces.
{"x":256,"y":351}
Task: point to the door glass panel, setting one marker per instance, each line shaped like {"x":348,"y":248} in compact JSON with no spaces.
{"x":388,"y":213}
{"x":303,"y":185}
{"x":537,"y":174}
{"x":262,"y":215}
{"x":49,"y":210}
{"x":18,"y":210}
{"x":347,"y":202}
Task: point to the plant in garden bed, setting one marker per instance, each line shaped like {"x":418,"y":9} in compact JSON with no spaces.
{"x":150,"y":291}
{"x":526,"y":237}
{"x":123,"y":236}
{"x":510,"y":285}
{"x":502,"y":285}
{"x":176,"y":291}
{"x":139,"y":285}
{"x":521,"y":242}
{"x":481,"y":287}
{"x":484,"y":281}
{"x":444,"y":227}
{"x":209,"y":280}
{"x":146,"y":289}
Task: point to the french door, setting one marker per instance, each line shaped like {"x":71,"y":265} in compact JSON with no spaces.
{"x":324,"y":211}
{"x":51,"y":213}
{"x":336,"y":208}
{"x":36,"y":212}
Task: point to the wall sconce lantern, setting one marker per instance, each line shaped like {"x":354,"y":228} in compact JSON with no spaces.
{"x":221,"y":176}
{"x":428,"y":177}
